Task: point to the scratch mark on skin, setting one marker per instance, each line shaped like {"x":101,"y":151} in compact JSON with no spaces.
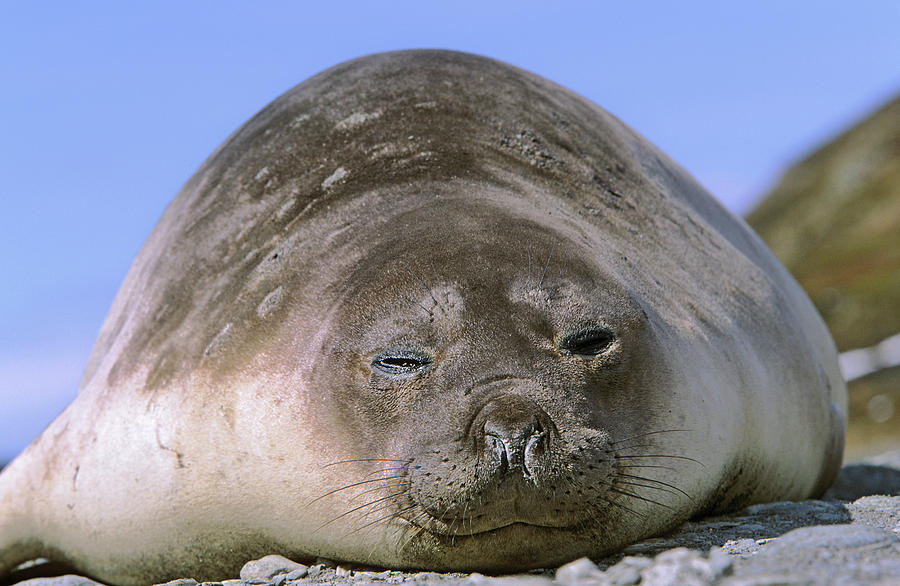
{"x":298,"y":121}
{"x":217,"y":341}
{"x":178,"y":454}
{"x":546,"y":266}
{"x":270,"y":302}
{"x":357,"y":119}
{"x":338,"y":174}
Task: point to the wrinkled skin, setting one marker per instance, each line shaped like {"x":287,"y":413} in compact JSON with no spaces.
{"x":427,"y":310}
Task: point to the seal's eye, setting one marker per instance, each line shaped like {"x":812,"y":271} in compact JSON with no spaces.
{"x":400,"y":363}
{"x":587,"y":342}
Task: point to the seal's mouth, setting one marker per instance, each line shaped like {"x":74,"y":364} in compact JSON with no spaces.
{"x":443,"y":529}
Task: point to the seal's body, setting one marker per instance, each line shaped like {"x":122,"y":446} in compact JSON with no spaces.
{"x":427,"y":310}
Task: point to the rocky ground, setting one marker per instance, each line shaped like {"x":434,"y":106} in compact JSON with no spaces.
{"x":851,"y":537}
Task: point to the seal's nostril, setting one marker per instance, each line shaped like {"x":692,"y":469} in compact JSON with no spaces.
{"x":500,"y":450}
{"x":513,"y":429}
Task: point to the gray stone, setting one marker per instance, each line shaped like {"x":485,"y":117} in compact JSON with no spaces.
{"x":379,"y":576}
{"x":426,"y":577}
{"x":758,"y":522}
{"x":268,"y":567}
{"x":741,"y":547}
{"x":686,"y":567}
{"x":877,"y":511}
{"x":577,"y":572}
{"x":627,"y":572}
{"x":297,"y":574}
{"x":477,"y":579}
{"x":67,"y":580}
{"x":837,"y":554}
{"x":315,"y":570}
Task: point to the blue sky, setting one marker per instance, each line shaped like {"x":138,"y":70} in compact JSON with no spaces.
{"x":108,"y":107}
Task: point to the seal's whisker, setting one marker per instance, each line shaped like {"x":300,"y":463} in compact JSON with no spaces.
{"x":625,"y":466}
{"x":451,"y":527}
{"x":591,"y":518}
{"x":652,"y":487}
{"x":418,"y":520}
{"x":639,"y":497}
{"x":380,"y":523}
{"x":364,"y":460}
{"x":385,"y":487}
{"x":645,"y":479}
{"x":413,"y":533}
{"x":636,"y":447}
{"x":329,"y":493}
{"x":398,"y":514}
{"x":400,"y":528}
{"x":444,"y":515}
{"x":380,"y":509}
{"x":621,"y":506}
{"x":413,"y":528}
{"x":385,"y":470}
{"x":395,"y":499}
{"x":424,"y":514}
{"x":405,"y":527}
{"x":529,"y":266}
{"x":380,"y":519}
{"x":622,"y":456}
{"x":464,"y":517}
{"x":354,"y":509}
{"x":547,"y":265}
{"x":625,"y":439}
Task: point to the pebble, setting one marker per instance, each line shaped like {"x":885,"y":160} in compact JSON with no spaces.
{"x":264,"y":569}
{"x":578,"y":572}
{"x":67,"y":580}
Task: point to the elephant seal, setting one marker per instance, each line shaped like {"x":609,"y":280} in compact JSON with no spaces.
{"x":427,"y":310}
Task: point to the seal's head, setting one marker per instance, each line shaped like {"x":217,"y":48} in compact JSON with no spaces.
{"x":497,"y":393}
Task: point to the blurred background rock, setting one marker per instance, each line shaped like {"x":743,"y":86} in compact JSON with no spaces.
{"x":834,"y":221}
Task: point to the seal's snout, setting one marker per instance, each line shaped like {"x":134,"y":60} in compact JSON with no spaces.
{"x":514,"y":433}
